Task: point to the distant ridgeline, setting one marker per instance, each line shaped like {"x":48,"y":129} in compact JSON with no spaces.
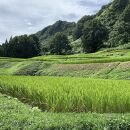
{"x":110,"y":27}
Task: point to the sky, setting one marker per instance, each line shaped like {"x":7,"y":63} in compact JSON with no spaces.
{"x":19,"y":17}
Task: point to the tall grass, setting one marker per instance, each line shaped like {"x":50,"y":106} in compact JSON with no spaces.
{"x":69,"y":94}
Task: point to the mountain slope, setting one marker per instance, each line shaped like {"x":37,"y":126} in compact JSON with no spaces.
{"x":60,"y":26}
{"x":115,"y":17}
{"x":110,"y":13}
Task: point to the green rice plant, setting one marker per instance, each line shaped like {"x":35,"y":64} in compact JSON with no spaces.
{"x":104,"y":56}
{"x":55,"y":94}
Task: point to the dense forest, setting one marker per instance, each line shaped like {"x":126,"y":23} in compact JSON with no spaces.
{"x":110,"y":27}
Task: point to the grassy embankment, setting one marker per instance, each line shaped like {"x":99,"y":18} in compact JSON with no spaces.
{"x":15,"y":115}
{"x":108,"y":64}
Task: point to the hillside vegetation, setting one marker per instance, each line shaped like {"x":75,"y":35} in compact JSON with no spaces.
{"x":60,"y":26}
{"x":114,"y":17}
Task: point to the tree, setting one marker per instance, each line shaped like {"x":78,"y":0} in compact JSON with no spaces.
{"x":78,"y":31}
{"x":34,"y":40}
{"x":120,"y":34}
{"x":60,"y":44}
{"x":119,"y":4}
{"x":4,"y":46}
{"x":22,"y":46}
{"x":1,"y":50}
{"x":125,"y":16}
{"x":93,"y":35}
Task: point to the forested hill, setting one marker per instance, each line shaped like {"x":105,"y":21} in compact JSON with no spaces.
{"x":60,"y":26}
{"x":115,"y":17}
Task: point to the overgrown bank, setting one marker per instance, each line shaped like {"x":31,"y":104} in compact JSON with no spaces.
{"x":16,"y":116}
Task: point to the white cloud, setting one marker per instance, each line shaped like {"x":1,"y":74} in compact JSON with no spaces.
{"x":29,"y":16}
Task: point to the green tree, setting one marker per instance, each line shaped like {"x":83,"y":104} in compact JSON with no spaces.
{"x":78,"y":31}
{"x":22,"y":46}
{"x":1,"y":50}
{"x":120,"y":34}
{"x":60,"y":44}
{"x":118,"y":5}
{"x":93,"y":36}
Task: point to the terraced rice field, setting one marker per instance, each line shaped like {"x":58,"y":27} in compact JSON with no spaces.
{"x":55,"y":94}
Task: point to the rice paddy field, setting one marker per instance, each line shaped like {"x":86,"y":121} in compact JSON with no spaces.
{"x":71,"y":92}
{"x":107,"y":64}
{"x":104,"y":56}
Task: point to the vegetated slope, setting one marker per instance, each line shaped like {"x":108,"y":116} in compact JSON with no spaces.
{"x":115,"y":17}
{"x":108,"y":64}
{"x":60,"y":26}
{"x":110,"y":14}
{"x":55,"y":94}
{"x":115,"y":70}
{"x":15,"y":115}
